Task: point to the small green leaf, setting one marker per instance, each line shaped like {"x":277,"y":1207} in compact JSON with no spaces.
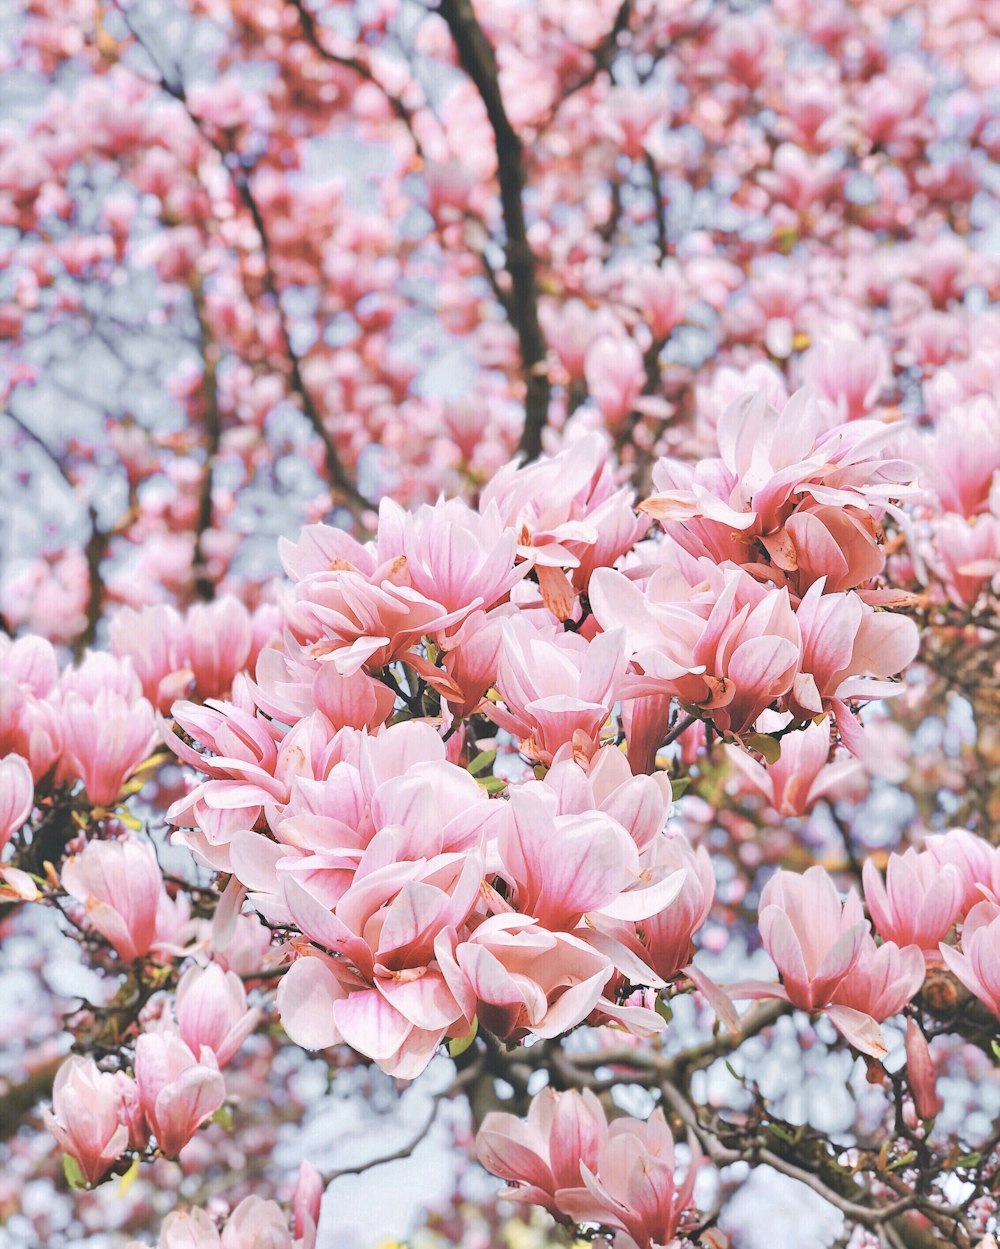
{"x":970,"y":1160}
{"x":664,"y":1010}
{"x":995,"y":1046}
{"x":129,"y":1178}
{"x":493,"y":784}
{"x":71,"y":1170}
{"x":125,"y":816}
{"x":765,"y":745}
{"x":481,"y":762}
{"x":678,"y":786}
{"x":461,"y":1043}
{"x":224,"y":1117}
{"x":905,"y":1161}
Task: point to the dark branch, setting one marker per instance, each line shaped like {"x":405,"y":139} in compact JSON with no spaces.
{"x":476,"y":57}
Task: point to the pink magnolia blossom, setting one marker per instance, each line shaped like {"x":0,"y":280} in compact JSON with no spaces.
{"x":556,"y":689}
{"x":802,"y":774}
{"x":615,"y":376}
{"x":967,"y":555}
{"x":542,"y":1155}
{"x":17,"y":795}
{"x":921,"y":1073}
{"x":178,"y":1091}
{"x":84,"y":1118}
{"x":153,"y":638}
{"x":525,"y":980}
{"x":634,"y":1187}
{"x":917,"y":903}
{"x":188,"y":1229}
{"x":120,"y":885}
{"x":212,"y":1011}
{"x":883,"y":979}
{"x":847,"y":370}
{"x":813,"y":938}
{"x":666,"y":936}
{"x":728,"y":644}
{"x":105,"y":741}
{"x":219,"y":638}
{"x":975,"y":860}
{"x":976,"y":962}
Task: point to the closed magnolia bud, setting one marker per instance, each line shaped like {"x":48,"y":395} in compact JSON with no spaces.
{"x":921,"y":1072}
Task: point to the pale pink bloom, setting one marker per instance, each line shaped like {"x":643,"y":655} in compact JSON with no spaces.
{"x":968,"y":555}
{"x":556,"y":690}
{"x":212,"y":1011}
{"x":105,"y":741}
{"x":306,"y":1202}
{"x":17,"y":795}
{"x":388,"y":996}
{"x":84,"y":1118}
{"x":153,"y":638}
{"x":917,"y":903}
{"x":883,"y":979}
{"x":566,"y":509}
{"x":921,"y":1073}
{"x":802,"y":775}
{"x":848,"y":370}
{"x":130,"y":1110}
{"x":256,"y":1224}
{"x":178,"y":1091}
{"x":728,"y":645}
{"x":634,"y":1187}
{"x":218,"y":638}
{"x":98,"y":671}
{"x":289,"y":687}
{"x":660,"y":295}
{"x":849,"y":651}
{"x":562,"y":867}
{"x":959,"y":458}
{"x":29,"y":662}
{"x":188,"y":1229}
{"x":977,"y":962}
{"x":473,"y":657}
{"x":666,"y":936}
{"x":120,"y":886}
{"x":814,"y":939}
{"x":541,"y":1155}
{"x":462,"y":559}
{"x":640,"y":804}
{"x":615,"y":376}
{"x":975,"y":860}
{"x":526,"y":980}
{"x":30,"y":727}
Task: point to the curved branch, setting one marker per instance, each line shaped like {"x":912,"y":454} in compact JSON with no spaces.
{"x":477,"y":59}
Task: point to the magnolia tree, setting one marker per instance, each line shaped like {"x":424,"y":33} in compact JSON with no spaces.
{"x":500,"y":621}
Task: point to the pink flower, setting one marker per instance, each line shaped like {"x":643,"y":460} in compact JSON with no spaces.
{"x":120,"y":885}
{"x":17,"y":795}
{"x":542,"y":1154}
{"x":178,"y":1091}
{"x":848,"y":370}
{"x":921,"y":1074}
{"x":883,"y":979}
{"x":218,"y":639}
{"x":188,"y":1229}
{"x":526,"y":980}
{"x":105,"y":740}
{"x":977,"y":962}
{"x":460,"y":558}
{"x":802,"y":775}
{"x":813,"y":938}
{"x":634,"y":1187}
{"x":972,"y":857}
{"x":85,"y":1117}
{"x":556,"y":689}
{"x":918,"y":902}
{"x":256,"y":1224}
{"x":615,"y":376}
{"x":212,"y":1011}
{"x":153,"y":638}
{"x":667,"y":935}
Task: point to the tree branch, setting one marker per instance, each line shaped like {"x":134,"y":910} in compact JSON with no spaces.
{"x":477,"y":59}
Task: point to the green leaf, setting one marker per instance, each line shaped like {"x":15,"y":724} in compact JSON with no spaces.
{"x":678,"y":786}
{"x":224,"y":1117}
{"x":71,"y":1170}
{"x":664,"y":1010}
{"x":905,"y":1161}
{"x":481,"y":762}
{"x":461,"y":1043}
{"x":970,"y":1160}
{"x":995,"y":1046}
{"x":764,"y":744}
{"x":493,"y":784}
